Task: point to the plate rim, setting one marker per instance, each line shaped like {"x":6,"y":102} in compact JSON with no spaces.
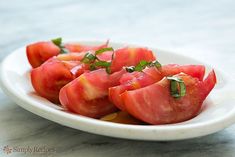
{"x":45,"y":112}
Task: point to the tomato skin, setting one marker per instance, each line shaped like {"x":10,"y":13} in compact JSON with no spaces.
{"x":130,"y":56}
{"x":39,"y":52}
{"x":71,"y":56}
{"x":51,"y":76}
{"x":129,"y":81}
{"x":197,"y":71}
{"x":135,"y":80}
{"x":76,"y":47}
{"x":154,"y":104}
{"x":87,"y":95}
{"x":121,"y":117}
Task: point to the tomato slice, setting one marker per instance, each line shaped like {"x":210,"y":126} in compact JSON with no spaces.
{"x":77,"y":47}
{"x":197,"y":71}
{"x":87,"y":95}
{"x":39,"y":52}
{"x":135,"y":80}
{"x":154,"y":104}
{"x":130,"y":56}
{"x":121,"y":117}
{"x":51,"y":76}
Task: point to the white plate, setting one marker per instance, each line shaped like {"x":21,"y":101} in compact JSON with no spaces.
{"x":218,"y":110}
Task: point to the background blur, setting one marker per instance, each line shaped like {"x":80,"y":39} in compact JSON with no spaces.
{"x":202,"y":29}
{"x":197,"y":28}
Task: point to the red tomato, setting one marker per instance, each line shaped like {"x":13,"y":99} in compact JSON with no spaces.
{"x":197,"y":71}
{"x":88,"y":94}
{"x":135,"y":80}
{"x":38,"y":53}
{"x":51,"y":76}
{"x":71,"y":56}
{"x":76,"y":47}
{"x":154,"y":104}
{"x":130,"y":56}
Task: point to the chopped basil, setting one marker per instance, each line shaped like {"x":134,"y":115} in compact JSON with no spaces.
{"x":130,"y":69}
{"x":92,"y":67}
{"x":142,"y":65}
{"x":64,"y":50}
{"x":94,"y":62}
{"x":88,"y":58}
{"x":58,"y":42}
{"x":102,"y":63}
{"x":156,"y":64}
{"x":177,"y":87}
{"x":108,"y":70}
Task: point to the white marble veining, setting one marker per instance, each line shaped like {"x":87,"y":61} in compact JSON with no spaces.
{"x":201,"y":29}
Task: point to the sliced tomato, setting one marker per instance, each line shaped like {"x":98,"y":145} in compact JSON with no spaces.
{"x":135,"y":80}
{"x":39,"y":52}
{"x":51,"y":76}
{"x":87,"y":95}
{"x":77,"y":47}
{"x":71,"y":56}
{"x":197,"y":71}
{"x":121,"y":117}
{"x":130,"y":56}
{"x":154,"y":104}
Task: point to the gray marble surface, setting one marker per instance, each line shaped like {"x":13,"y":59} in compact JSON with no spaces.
{"x":203,"y":29}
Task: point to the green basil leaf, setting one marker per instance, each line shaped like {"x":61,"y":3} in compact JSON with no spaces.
{"x":102,"y":63}
{"x":103,"y":50}
{"x":57,"y":41}
{"x":156,"y":64}
{"x":64,"y":51}
{"x":108,"y":70}
{"x":182,"y":89}
{"x":88,"y":58}
{"x":130,"y":69}
{"x":92,"y":67}
{"x":177,"y":87}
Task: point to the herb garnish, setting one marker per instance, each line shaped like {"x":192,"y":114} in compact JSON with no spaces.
{"x":58,"y":42}
{"x":94,"y":62}
{"x":177,"y":87}
{"x":142,"y":65}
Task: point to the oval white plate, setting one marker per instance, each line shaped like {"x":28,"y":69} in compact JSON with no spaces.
{"x":218,"y":110}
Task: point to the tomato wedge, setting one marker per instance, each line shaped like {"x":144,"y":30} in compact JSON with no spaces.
{"x":129,"y":56}
{"x":155,"y":105}
{"x":197,"y":71}
{"x":87,"y":95}
{"x":135,"y":80}
{"x":51,"y":76}
{"x":77,"y":47}
{"x":39,"y":52}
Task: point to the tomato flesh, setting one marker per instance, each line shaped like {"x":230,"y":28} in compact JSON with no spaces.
{"x":135,"y":80}
{"x":39,"y":52}
{"x":77,"y":47}
{"x":154,"y":104}
{"x":130,"y":56}
{"x":51,"y":76}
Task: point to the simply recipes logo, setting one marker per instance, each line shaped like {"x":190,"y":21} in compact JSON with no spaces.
{"x":27,"y":149}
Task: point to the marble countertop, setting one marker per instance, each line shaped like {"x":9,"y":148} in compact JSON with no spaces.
{"x":201,"y":29}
